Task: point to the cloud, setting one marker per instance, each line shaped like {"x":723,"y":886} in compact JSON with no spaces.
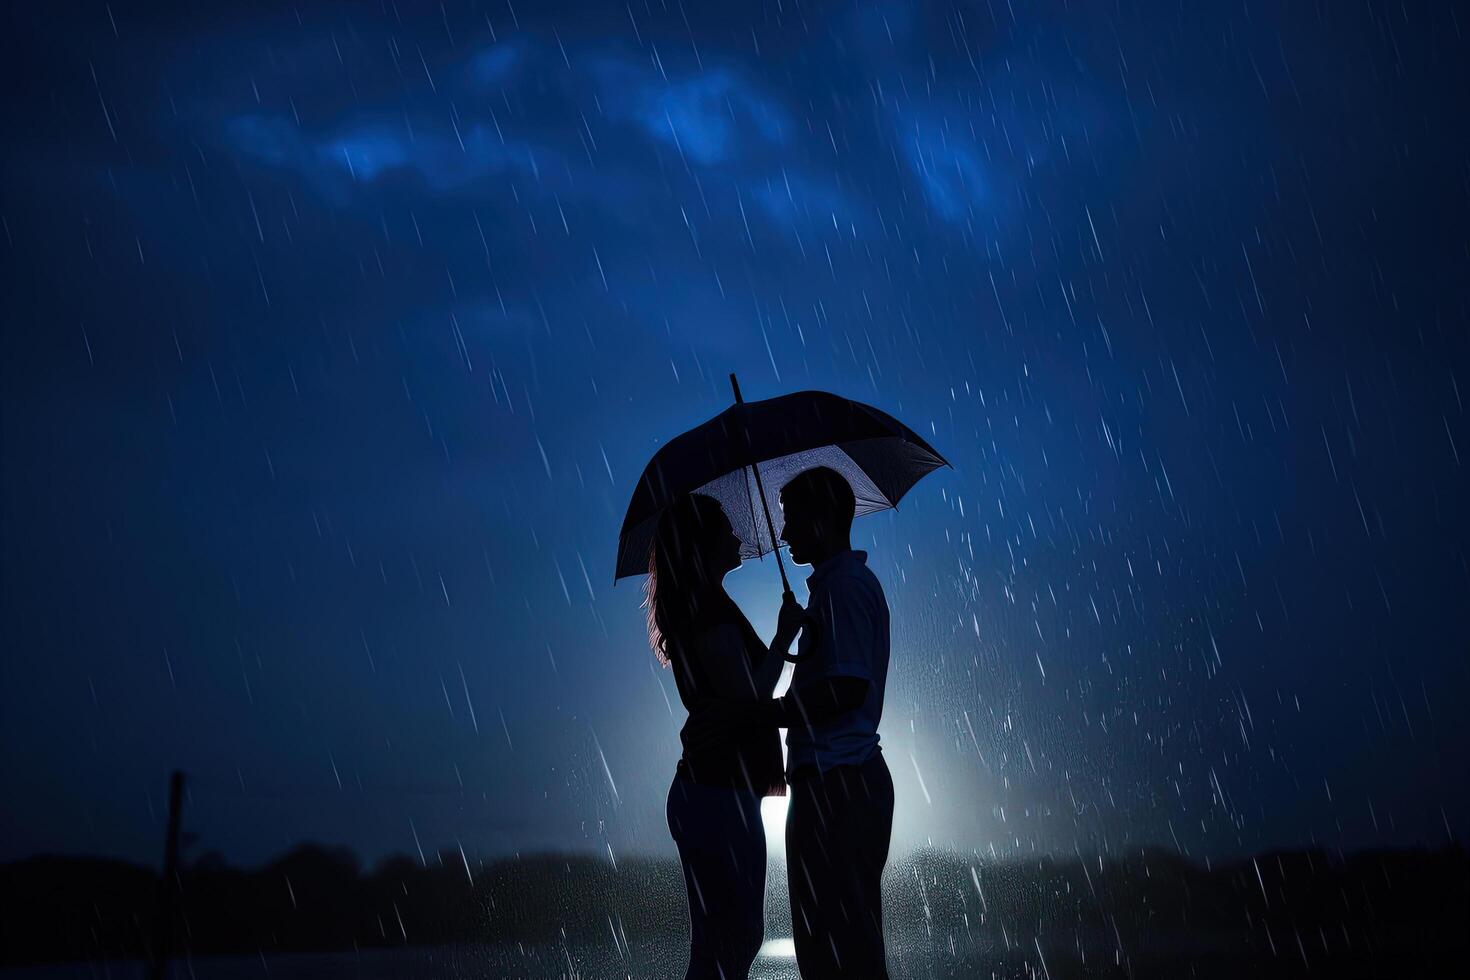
{"x":710,"y":118}
{"x":791,"y":197}
{"x":947,"y":163}
{"x":718,"y":118}
{"x":497,"y":63}
{"x":374,"y":152}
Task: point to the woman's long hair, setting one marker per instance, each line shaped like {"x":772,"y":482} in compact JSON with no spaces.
{"x":678,"y":592}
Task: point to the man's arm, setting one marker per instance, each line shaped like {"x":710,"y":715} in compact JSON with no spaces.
{"x":817,"y":702}
{"x":842,"y":615}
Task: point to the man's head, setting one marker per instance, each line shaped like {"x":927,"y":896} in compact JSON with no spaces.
{"x":818,"y":508}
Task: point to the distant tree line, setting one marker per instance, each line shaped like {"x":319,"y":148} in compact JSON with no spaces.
{"x":1288,"y":910}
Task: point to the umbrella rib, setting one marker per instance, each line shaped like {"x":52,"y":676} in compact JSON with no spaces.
{"x":754,"y":521}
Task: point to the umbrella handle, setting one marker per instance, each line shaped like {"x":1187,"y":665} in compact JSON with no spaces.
{"x":770,"y":525}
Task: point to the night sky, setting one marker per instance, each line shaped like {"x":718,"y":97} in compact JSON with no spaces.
{"x":336,"y":336}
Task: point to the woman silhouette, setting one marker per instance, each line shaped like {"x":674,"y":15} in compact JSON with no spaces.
{"x":696,"y":629}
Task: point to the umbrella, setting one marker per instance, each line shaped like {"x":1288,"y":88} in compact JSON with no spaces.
{"x":752,"y":448}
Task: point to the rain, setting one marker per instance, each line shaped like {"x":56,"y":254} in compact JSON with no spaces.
{"x":338,"y":336}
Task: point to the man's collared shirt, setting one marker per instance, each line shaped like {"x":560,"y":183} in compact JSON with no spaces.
{"x":848,"y":639}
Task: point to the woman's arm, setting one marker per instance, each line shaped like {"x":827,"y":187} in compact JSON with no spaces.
{"x":769,"y":664}
{"x":819,"y":701}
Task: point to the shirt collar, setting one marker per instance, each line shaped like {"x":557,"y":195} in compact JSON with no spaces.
{"x":820,"y":572}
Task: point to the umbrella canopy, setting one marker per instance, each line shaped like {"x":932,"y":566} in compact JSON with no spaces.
{"x":880,"y":457}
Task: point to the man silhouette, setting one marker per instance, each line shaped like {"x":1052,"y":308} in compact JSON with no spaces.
{"x":841,"y":811}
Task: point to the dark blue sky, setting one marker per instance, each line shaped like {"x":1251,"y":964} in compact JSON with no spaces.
{"x":336,"y":337}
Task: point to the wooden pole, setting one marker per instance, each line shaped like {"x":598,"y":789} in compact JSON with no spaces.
{"x":770,"y":525}
{"x":168,"y":886}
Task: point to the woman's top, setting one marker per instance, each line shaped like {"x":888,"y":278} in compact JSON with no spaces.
{"x":729,"y":661}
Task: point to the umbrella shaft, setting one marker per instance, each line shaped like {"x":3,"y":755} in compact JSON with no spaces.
{"x":760,"y":488}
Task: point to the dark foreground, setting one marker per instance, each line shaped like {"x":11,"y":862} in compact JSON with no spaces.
{"x":314,"y":913}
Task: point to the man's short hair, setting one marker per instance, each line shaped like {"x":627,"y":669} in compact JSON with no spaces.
{"x":826,"y":490}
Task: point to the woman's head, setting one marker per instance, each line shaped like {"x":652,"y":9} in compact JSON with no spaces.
{"x":693,"y":547}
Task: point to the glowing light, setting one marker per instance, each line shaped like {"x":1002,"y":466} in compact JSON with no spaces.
{"x":773,"y":817}
{"x":779,"y":949}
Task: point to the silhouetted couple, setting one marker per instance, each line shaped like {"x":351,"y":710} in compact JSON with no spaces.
{"x":841,"y":808}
